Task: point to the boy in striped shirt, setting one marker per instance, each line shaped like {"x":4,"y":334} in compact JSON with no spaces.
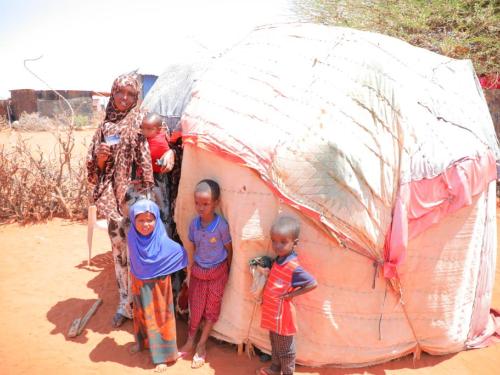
{"x":287,"y":279}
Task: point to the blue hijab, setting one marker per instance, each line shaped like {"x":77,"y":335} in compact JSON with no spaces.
{"x":156,"y":254}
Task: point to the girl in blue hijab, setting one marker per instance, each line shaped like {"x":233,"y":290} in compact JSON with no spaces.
{"x":153,"y":258}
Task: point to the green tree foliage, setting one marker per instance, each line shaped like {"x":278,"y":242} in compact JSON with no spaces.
{"x":461,"y":29}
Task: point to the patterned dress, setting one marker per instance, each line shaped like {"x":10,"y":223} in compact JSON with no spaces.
{"x":111,"y":183}
{"x":154,"y":318}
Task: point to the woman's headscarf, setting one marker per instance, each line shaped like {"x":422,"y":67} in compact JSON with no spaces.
{"x":156,"y":254}
{"x":112,"y":183}
{"x":113,"y":114}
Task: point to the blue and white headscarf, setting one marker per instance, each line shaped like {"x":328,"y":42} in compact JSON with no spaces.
{"x":156,"y":254}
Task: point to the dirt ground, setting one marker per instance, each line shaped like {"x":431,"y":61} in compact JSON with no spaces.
{"x":46,"y":141}
{"x":45,"y":283}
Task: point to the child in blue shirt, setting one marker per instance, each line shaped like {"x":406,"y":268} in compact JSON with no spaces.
{"x":209,"y":273}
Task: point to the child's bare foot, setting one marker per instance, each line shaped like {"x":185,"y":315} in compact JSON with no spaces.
{"x":162,"y":367}
{"x":188,"y":346}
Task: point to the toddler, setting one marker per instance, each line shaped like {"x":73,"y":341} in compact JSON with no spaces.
{"x":162,"y":158}
{"x":287,"y":279}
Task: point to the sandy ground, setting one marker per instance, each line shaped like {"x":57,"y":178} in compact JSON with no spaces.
{"x":45,"y":283}
{"x":46,"y":141}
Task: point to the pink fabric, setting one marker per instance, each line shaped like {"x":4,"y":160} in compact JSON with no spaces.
{"x":484,"y":327}
{"x":422,"y":203}
{"x":397,"y":238}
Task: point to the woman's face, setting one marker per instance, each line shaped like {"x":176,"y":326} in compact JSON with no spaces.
{"x":145,"y":223}
{"x":124,"y":98}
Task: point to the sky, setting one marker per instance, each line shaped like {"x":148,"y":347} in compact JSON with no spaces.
{"x":85,"y":44}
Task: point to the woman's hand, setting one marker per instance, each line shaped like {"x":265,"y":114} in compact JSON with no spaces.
{"x":103,"y":153}
{"x":167,"y":160}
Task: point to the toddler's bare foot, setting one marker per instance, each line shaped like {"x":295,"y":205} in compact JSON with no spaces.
{"x":162,"y":367}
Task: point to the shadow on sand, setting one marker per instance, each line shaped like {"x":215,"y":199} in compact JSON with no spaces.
{"x":221,"y":357}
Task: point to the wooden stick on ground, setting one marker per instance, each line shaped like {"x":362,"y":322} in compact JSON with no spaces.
{"x":88,"y":315}
{"x":73,"y":330}
{"x":79,"y":324}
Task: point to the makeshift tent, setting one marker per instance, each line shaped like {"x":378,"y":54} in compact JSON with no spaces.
{"x":172,"y":91}
{"x":384,"y":151}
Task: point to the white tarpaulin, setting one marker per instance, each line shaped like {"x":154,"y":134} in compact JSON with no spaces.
{"x":386,"y":153}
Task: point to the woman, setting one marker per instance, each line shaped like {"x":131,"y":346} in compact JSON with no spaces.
{"x":153,"y":258}
{"x":116,"y":146}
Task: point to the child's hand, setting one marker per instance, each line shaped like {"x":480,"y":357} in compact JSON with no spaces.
{"x":167,"y":160}
{"x":298,"y":291}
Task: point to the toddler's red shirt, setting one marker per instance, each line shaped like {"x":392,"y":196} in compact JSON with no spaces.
{"x":158,"y":145}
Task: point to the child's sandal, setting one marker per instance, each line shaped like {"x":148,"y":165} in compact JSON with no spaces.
{"x":198,"y":360}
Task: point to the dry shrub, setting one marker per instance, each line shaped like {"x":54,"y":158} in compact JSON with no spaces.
{"x":35,"y":122}
{"x":29,"y":122}
{"x":4,"y":123}
{"x":35,"y":186}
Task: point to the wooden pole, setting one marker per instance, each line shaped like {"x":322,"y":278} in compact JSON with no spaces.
{"x":91,"y":220}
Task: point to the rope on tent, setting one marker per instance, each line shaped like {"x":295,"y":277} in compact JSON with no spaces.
{"x":381,"y":314}
{"x":377,"y":263}
{"x":246,"y":341}
{"x":344,"y":245}
{"x":418,"y":349}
